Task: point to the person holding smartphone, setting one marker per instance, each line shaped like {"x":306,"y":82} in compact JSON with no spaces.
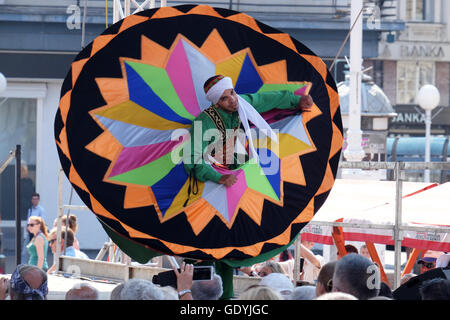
{"x":184,"y":281}
{"x":312,"y":263}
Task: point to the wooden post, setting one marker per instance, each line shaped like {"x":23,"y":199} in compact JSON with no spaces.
{"x":338,"y":237}
{"x":375,"y":258}
{"x":412,"y":260}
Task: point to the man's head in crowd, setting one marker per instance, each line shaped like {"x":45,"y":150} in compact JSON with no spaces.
{"x":358,"y":276}
{"x":435,"y":289}
{"x":28,"y":283}
{"x":325,"y":279}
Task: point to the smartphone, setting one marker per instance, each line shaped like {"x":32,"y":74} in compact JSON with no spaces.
{"x":168,"y":278}
{"x":203,"y":273}
{"x":302,"y":262}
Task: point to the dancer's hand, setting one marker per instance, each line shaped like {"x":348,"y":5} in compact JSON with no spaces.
{"x":228,"y":180}
{"x":306,"y":103}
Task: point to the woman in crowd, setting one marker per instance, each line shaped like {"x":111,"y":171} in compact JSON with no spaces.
{"x":72,"y":225}
{"x":38,"y":246}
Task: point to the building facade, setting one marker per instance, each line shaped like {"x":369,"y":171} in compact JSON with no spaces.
{"x":409,"y":59}
{"x":40,"y":38}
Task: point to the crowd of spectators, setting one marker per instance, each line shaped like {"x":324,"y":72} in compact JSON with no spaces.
{"x":352,"y":277}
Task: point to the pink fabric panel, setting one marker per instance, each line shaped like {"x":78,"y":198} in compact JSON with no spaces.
{"x":180,"y":74}
{"x":135,"y":157}
{"x":235,"y":192}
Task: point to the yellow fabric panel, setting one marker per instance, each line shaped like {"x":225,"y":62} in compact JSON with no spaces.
{"x":177,"y":203}
{"x":290,"y":145}
{"x":132,"y":113}
{"x":232,"y":66}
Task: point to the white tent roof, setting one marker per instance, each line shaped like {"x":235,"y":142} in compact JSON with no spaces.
{"x":373,"y":202}
{"x":354,"y":198}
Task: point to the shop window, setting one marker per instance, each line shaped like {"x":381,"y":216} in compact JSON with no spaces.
{"x":17,"y":126}
{"x":411,"y":76}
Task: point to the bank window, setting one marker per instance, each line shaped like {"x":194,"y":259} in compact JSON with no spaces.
{"x":411,"y":76}
{"x":415,"y":10}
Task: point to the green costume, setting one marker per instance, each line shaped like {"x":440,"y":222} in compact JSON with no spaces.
{"x":262,"y":102}
{"x":202,"y":171}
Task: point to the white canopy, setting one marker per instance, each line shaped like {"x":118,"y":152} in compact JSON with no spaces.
{"x":373,"y":202}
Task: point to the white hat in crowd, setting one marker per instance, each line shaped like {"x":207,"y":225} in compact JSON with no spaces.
{"x":278,"y":282}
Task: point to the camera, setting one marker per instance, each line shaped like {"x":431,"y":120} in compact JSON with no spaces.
{"x":168,"y":278}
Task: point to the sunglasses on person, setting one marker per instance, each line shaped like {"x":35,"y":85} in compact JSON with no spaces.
{"x":428,"y":265}
{"x":51,"y":241}
{"x":32,"y":224}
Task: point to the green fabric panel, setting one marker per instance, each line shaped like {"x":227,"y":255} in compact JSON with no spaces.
{"x":256,"y":180}
{"x":280,"y":86}
{"x":134,"y":250}
{"x":266,"y":101}
{"x":152,"y":172}
{"x":159,"y":81}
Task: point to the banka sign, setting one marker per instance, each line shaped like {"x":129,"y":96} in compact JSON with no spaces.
{"x":421,"y":51}
{"x":409,"y":117}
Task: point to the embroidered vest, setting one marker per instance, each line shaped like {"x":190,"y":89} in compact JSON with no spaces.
{"x":225,"y":145}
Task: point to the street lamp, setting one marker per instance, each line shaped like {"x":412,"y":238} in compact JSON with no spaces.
{"x":428,"y":99}
{"x":354,"y":151}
